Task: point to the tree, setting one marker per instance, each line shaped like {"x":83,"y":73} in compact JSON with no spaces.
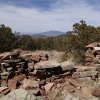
{"x":7,"y":38}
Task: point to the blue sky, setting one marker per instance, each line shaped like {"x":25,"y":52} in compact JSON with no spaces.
{"x":33,"y":16}
{"x":42,"y":4}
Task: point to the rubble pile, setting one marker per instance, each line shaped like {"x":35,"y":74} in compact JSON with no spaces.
{"x":35,"y":77}
{"x":93,"y":54}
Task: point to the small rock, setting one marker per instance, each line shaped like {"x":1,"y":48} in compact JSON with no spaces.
{"x":76,"y":75}
{"x":34,"y":91}
{"x":58,"y":85}
{"x":94,"y":98}
{"x":30,"y":83}
{"x":18,"y":94}
{"x":4,"y":90}
{"x":96,"y":92}
{"x":3,"y":83}
{"x":85,"y":68}
{"x":88,"y":73}
{"x":31,"y":86}
{"x":19,"y":77}
{"x":12,"y":84}
{"x":84,"y":74}
{"x":74,"y":82}
{"x":31,"y":65}
{"x":42,"y":82}
{"x":69,"y":97}
{"x":40,"y":98}
{"x":44,"y":59}
{"x":86,"y":92}
{"x":85,"y":79}
{"x":48,"y":86}
{"x":75,"y":98}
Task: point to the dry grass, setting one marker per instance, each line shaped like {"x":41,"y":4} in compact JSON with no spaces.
{"x":53,"y":55}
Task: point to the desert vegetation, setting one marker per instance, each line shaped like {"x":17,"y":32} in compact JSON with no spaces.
{"x":72,"y":43}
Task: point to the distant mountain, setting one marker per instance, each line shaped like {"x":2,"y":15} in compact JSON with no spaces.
{"x":48,"y":33}
{"x":39,"y":36}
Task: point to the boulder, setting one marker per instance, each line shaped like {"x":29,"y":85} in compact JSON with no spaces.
{"x":67,"y":65}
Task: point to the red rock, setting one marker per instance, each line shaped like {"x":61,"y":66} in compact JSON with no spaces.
{"x":3,"y":89}
{"x":48,"y":86}
{"x":31,"y":86}
{"x":44,"y":59}
{"x":30,"y":83}
{"x":86,"y":92}
{"x":96,"y":92}
{"x":35,"y":58}
{"x":6,"y":91}
{"x":19,"y":77}
{"x":58,"y":85}
{"x":60,"y":80}
{"x":26,"y":56}
{"x":74,"y":82}
{"x":12,"y":84}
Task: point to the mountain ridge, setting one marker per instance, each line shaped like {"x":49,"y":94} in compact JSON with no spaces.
{"x":49,"y":33}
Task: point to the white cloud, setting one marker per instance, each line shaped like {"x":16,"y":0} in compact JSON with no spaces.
{"x":62,"y":15}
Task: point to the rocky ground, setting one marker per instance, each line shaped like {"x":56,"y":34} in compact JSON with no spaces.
{"x":67,"y":81}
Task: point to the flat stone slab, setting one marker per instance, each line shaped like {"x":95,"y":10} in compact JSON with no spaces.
{"x":84,"y":74}
{"x":84,"y":68}
{"x":46,"y":64}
